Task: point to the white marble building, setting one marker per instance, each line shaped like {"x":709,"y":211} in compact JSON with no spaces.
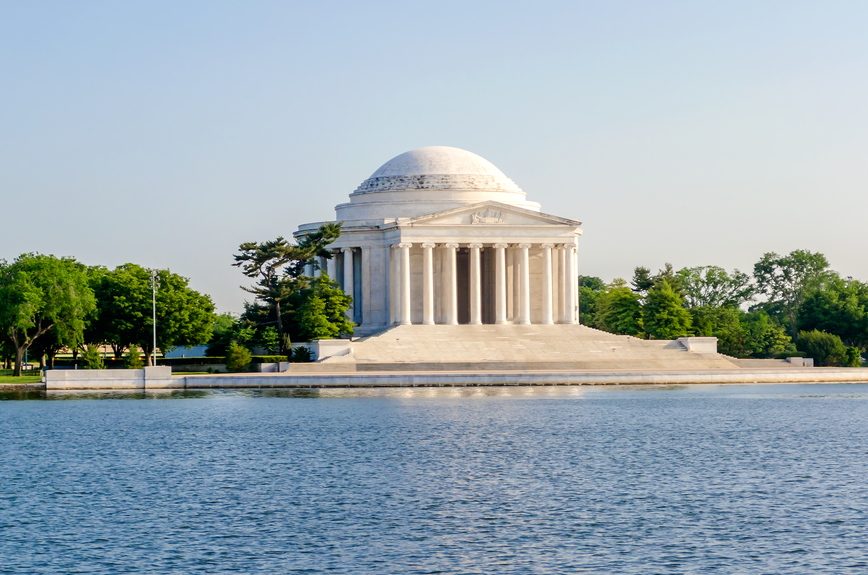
{"x":439,"y":235}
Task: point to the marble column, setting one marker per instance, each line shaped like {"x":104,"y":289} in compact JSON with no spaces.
{"x":516,"y":283}
{"x":475,"y":285}
{"x":524,"y":312}
{"x":451,"y":285}
{"x":348,"y":277}
{"x":404,"y":282}
{"x":332,"y":264}
{"x":570,"y":285}
{"x":428,"y":284}
{"x":500,"y":284}
{"x":547,"y":284}
{"x":308,"y":268}
{"x":562,"y":306}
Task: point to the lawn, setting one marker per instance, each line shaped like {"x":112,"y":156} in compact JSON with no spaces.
{"x":23,"y":379}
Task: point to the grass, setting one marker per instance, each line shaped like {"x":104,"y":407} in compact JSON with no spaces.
{"x":22,"y":380}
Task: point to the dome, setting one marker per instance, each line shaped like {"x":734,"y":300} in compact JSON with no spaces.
{"x":428,"y":180}
{"x":437,"y":168}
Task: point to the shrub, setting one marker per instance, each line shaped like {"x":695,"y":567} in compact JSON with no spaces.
{"x":92,"y":358}
{"x":237,"y":358}
{"x":301,"y":355}
{"x":827,"y":349}
{"x":133,"y":359}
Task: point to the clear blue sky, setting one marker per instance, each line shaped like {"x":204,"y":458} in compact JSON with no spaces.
{"x":166,"y":133}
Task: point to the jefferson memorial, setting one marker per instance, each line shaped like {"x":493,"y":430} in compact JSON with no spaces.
{"x":452,"y":268}
{"x":439,"y":235}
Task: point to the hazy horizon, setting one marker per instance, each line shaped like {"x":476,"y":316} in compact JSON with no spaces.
{"x":166,"y":134}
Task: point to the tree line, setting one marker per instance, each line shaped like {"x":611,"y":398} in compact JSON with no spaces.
{"x":48,"y":304}
{"x":790,"y":305}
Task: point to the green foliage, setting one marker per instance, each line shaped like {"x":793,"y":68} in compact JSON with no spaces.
{"x":712,"y":286}
{"x":278,"y":266}
{"x":592,"y":283}
{"x":42,"y":294}
{"x":301,"y":355}
{"x":184,"y":316}
{"x":642,"y":280}
{"x":322,"y":312}
{"x":785,"y":280}
{"x":92,"y":358}
{"x":133,"y":359}
{"x":741,"y":334}
{"x":827,"y":349}
{"x":237,"y":358}
{"x":663,"y":314}
{"x":619,"y":311}
{"x":838,"y":306}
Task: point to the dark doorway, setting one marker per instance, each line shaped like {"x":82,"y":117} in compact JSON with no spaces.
{"x":462,"y":265}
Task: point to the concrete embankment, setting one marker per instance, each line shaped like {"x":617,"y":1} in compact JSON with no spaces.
{"x":161,"y":378}
{"x":490,"y":378}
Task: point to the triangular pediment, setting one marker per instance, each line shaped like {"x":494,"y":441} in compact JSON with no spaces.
{"x":488,"y":213}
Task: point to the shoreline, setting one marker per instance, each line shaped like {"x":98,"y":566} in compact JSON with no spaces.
{"x":490,"y":378}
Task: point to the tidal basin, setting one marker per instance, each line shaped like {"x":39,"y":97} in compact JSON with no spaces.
{"x":652,"y":479}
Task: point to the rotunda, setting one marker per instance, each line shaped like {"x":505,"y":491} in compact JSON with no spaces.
{"x":439,"y":235}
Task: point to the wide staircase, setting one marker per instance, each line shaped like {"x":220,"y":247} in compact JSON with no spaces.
{"x":511,"y":347}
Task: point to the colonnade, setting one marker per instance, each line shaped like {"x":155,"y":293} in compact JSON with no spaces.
{"x":565,"y":285}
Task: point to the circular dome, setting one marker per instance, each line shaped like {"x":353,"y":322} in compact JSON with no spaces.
{"x":429,"y":180}
{"x":437,"y":168}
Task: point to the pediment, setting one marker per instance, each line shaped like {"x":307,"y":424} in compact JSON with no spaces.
{"x":488,"y":213}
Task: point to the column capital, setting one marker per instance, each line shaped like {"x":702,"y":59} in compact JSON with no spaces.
{"x":451,"y":245}
{"x":345,"y":250}
{"x":403,"y":245}
{"x":475,"y":245}
{"x":428,"y":245}
{"x":525,"y":246}
{"x":501,"y":246}
{"x":569,"y":246}
{"x":549,"y":246}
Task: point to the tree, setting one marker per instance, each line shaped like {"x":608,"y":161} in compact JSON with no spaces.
{"x":40,"y":294}
{"x":840,"y":307}
{"x":184,"y":316}
{"x":785,"y":280}
{"x":278,"y":265}
{"x":92,"y":358}
{"x":133,"y":359}
{"x":663,"y":315}
{"x":323,"y":311}
{"x":741,"y":334}
{"x":642,"y":280}
{"x":237,"y":357}
{"x":711,"y":286}
{"x":827,"y":349}
{"x":619,"y":310}
{"x":590,"y":290}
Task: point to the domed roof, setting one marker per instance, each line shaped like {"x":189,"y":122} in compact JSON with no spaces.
{"x":437,"y":168}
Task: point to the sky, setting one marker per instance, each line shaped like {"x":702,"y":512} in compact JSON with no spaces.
{"x":696,"y":133}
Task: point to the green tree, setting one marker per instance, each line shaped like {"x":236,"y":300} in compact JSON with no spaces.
{"x":840,"y":307}
{"x":40,"y":294}
{"x":92,"y":358}
{"x":278,"y":266}
{"x":184,"y":316}
{"x":785,"y":280}
{"x":664,"y":315}
{"x":827,"y":349}
{"x":323,"y":311}
{"x":237,"y":357}
{"x":642,"y":280}
{"x":619,"y":310}
{"x":712,"y":286}
{"x":590,"y":290}
{"x":133,"y":358}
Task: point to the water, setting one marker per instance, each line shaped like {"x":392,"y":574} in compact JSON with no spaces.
{"x":695,"y":479}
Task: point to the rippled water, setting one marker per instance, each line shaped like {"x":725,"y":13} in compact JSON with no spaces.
{"x":695,"y":479}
